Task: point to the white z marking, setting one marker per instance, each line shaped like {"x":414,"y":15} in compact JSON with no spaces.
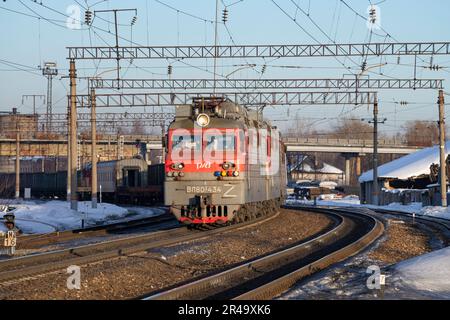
{"x":227,"y":193}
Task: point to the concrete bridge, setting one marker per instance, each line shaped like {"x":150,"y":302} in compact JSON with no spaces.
{"x":110,"y":145}
{"x":385,"y":146}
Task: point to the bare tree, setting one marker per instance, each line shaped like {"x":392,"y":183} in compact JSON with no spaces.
{"x":301,"y":129}
{"x":348,"y":128}
{"x":421,"y":133}
{"x":138,"y":127}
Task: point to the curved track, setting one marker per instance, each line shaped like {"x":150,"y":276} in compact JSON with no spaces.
{"x":441,"y":222}
{"x":270,"y":275}
{"x":37,"y":264}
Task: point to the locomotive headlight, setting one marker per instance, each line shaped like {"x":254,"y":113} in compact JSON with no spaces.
{"x":236,"y":173}
{"x":226,"y":166}
{"x":202,"y":120}
{"x":170,"y":174}
{"x":177,"y":166}
{"x":181,"y":174}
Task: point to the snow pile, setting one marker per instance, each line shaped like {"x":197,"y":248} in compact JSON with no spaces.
{"x":412,"y":165}
{"x":438,"y":212}
{"x":416,"y":207}
{"x":327,"y":169}
{"x":56,"y":215}
{"x":429,"y":273}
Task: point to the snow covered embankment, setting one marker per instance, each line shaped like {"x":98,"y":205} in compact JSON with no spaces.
{"x":33,"y":217}
{"x":428,"y":274}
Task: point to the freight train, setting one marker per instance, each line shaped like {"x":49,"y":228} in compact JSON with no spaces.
{"x":129,"y":181}
{"x":224,"y":164}
{"x":122,"y":181}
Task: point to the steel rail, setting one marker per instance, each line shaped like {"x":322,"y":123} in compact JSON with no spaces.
{"x":435,"y":220}
{"x":235,"y":282}
{"x":57,"y":260}
{"x":34,"y":241}
{"x":280,"y":285}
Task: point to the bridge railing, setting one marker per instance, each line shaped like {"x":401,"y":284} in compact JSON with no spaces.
{"x":345,"y":142}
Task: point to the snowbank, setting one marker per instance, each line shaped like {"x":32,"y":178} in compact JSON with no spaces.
{"x":429,"y":272}
{"x":350,"y":201}
{"x":32,"y":218}
{"x":37,"y":217}
{"x":412,"y":165}
{"x":416,"y":207}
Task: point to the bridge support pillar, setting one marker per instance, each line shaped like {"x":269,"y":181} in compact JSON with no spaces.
{"x":348,"y":166}
{"x":347,"y":171}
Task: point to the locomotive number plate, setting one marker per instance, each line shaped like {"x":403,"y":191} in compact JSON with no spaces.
{"x":203,"y":189}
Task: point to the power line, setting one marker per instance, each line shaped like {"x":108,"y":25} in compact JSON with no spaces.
{"x":184,"y":12}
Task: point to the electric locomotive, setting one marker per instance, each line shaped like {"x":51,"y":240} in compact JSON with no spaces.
{"x":224,"y":164}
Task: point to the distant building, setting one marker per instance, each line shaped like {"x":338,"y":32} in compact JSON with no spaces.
{"x":308,"y":169}
{"x":27,"y":123}
{"x":408,"y":179}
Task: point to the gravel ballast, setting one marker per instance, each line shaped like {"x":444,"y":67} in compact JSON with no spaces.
{"x":131,"y":276}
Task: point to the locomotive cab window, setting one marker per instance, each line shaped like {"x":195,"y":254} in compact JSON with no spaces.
{"x":184,"y":145}
{"x":219,"y":142}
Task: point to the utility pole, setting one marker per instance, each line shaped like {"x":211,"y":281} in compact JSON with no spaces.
{"x":117,"y":34}
{"x":73,"y":136}
{"x":17,"y":164}
{"x":34,"y":97}
{"x":49,"y":71}
{"x":375,"y":153}
{"x":93,"y":151}
{"x":69,"y":172}
{"x":216,"y":50}
{"x":442,"y":174}
{"x":375,"y":121}
{"x":163,"y":151}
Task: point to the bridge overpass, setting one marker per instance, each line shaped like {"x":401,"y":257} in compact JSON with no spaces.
{"x":112,"y":147}
{"x":356,"y":146}
{"x":109,"y":144}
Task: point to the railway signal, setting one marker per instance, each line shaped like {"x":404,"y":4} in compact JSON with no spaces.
{"x":10,"y":221}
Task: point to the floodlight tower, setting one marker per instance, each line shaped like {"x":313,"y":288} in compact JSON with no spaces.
{"x":49,"y":71}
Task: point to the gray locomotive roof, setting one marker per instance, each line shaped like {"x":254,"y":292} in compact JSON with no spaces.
{"x":231,"y":115}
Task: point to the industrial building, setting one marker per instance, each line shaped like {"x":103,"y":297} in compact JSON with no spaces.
{"x":11,"y":121}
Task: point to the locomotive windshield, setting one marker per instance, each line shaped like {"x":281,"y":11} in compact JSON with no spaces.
{"x":219,"y":142}
{"x":185,"y":144}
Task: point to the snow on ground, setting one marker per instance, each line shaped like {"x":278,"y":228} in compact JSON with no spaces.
{"x":423,"y":277}
{"x":44,"y":217}
{"x":429,"y":273}
{"x":351,"y":201}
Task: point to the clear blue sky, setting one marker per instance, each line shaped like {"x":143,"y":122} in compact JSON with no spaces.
{"x":28,"y":41}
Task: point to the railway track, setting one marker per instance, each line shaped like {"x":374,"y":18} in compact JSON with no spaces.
{"x":33,"y":265}
{"x":37,"y":241}
{"x":443,"y":223}
{"x":268,"y":276}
